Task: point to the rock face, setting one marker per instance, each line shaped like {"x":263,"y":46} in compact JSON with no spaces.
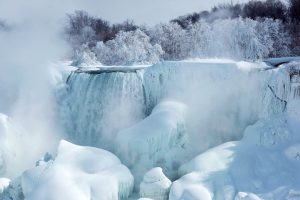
{"x":155,"y":185}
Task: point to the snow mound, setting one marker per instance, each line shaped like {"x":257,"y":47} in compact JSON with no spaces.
{"x":4,"y":183}
{"x":155,"y":141}
{"x":155,"y":185}
{"x":263,"y":165}
{"x":78,"y":173}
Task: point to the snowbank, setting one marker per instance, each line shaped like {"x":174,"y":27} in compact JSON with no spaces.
{"x":263,"y":165}
{"x":155,"y":185}
{"x":78,"y":173}
{"x":155,"y":141}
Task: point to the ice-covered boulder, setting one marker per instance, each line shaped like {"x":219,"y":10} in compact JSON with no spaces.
{"x":155,"y":185}
{"x":4,"y":183}
{"x":155,"y":141}
{"x":264,"y":163}
{"x":78,"y":173}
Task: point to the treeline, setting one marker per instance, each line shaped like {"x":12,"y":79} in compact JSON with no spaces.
{"x":255,"y":30}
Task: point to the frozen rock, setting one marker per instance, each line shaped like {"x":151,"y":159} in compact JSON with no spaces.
{"x":78,"y":173}
{"x":155,"y":185}
{"x":4,"y":183}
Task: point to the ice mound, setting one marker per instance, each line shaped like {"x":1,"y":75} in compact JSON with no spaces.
{"x":78,"y":173}
{"x":4,"y":183}
{"x":155,"y":141}
{"x":155,"y":185}
{"x":263,"y":165}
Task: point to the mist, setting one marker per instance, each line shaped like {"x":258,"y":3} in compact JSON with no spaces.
{"x":29,"y":47}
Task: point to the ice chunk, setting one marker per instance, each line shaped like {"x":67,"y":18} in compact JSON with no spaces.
{"x":78,"y":173}
{"x":155,"y":185}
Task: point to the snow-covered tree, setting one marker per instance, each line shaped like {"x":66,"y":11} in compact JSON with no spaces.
{"x":276,"y":38}
{"x":237,"y":38}
{"x":132,"y":47}
{"x":84,"y":57}
{"x":172,"y":38}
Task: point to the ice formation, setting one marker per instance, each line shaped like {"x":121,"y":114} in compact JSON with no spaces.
{"x":78,"y":173}
{"x":146,"y":144}
{"x":155,"y":185}
{"x":134,"y":112}
{"x":263,"y":165}
{"x":163,"y":116}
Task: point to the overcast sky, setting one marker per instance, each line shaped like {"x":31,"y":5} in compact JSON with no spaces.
{"x":141,"y":11}
{"x":152,"y":11}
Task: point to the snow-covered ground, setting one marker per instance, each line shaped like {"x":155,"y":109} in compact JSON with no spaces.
{"x":219,"y":129}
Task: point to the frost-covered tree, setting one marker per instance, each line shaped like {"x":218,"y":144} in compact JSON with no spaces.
{"x":274,"y":36}
{"x":198,"y":39}
{"x":132,"y":47}
{"x":238,"y":38}
{"x":171,"y":37}
{"x":84,"y":57}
